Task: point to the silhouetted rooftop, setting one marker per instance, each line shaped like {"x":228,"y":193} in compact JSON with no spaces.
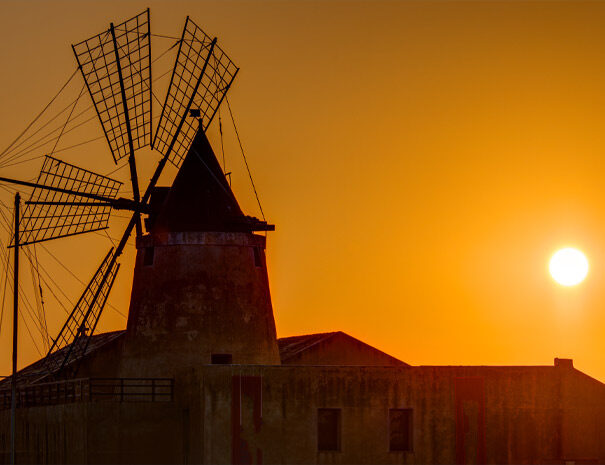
{"x":37,"y":370}
{"x":330,"y":348}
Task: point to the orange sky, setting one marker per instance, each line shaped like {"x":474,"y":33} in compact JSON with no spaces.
{"x":421,"y":161}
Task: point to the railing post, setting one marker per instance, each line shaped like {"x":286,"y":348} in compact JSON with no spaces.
{"x":153,"y":390}
{"x":121,"y":389}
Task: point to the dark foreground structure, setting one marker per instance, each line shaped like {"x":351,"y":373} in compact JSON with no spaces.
{"x":198,"y":376}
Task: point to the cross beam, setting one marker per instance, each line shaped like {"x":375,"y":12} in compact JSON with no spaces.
{"x":101,"y":201}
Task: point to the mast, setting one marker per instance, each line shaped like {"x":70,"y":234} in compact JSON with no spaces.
{"x":15,"y":327}
{"x":131,"y":161}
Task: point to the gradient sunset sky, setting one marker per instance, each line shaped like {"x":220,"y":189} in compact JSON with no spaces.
{"x":421,"y":162}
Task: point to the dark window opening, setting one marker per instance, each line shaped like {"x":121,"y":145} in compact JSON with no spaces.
{"x":258,"y":259}
{"x":148,"y":256}
{"x":400,"y":429}
{"x":221,"y":359}
{"x":328,"y":429}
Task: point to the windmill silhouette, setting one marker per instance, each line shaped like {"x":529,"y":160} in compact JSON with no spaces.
{"x":67,"y":200}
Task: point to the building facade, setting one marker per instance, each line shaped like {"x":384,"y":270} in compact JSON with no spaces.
{"x":199,"y":376}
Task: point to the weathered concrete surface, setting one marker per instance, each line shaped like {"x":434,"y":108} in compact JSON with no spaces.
{"x":203,"y":293}
{"x":268,"y":414}
{"x":96,"y":432}
{"x":530,"y":414}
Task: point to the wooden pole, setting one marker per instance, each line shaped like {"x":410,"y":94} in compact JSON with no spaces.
{"x":15,"y":327}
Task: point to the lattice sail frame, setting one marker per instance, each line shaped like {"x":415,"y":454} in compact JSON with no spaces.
{"x":73,"y":338}
{"x":195,"y":49}
{"x":97,"y":61}
{"x":45,"y":222}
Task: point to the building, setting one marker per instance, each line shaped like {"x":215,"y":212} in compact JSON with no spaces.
{"x":199,"y":376}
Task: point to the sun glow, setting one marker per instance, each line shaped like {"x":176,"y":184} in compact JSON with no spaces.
{"x":568,"y":266}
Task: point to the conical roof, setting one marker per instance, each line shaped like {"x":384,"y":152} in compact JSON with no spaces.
{"x":200,"y":198}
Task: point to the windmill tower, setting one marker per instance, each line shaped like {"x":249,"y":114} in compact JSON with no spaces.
{"x":200,"y":291}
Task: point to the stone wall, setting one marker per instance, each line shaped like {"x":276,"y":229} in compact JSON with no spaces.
{"x":96,"y":432}
{"x":460,"y":414}
{"x":269,"y":414}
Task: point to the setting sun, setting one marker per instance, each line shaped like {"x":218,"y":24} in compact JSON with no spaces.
{"x":568,"y":266}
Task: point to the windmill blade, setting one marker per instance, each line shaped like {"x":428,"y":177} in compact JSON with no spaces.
{"x":116,"y":66}
{"x":59,"y":214}
{"x":70,"y":345}
{"x":201,"y":77}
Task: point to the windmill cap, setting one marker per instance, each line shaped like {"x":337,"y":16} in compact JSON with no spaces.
{"x":201,"y":199}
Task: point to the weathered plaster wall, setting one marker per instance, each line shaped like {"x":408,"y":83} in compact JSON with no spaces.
{"x":203,"y":293}
{"x":96,"y":432}
{"x":268,"y":414}
{"x":525,"y":415}
{"x":584,"y":426}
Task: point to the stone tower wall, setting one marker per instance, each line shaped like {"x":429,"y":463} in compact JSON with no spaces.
{"x":196,"y":294}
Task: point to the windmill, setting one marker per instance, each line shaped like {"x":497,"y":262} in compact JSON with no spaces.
{"x":66,"y":200}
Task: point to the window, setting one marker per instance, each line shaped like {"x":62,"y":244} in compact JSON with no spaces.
{"x":221,"y":359}
{"x":148,"y":256}
{"x":328,"y":429}
{"x":400,"y":429}
{"x":258,"y":259}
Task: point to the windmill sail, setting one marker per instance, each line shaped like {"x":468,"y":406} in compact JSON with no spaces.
{"x":200,"y":80}
{"x":71,"y":343}
{"x":59,"y":214}
{"x":109,"y":81}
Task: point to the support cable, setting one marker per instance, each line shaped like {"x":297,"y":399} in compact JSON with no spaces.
{"x":6,"y":226}
{"x":37,"y":268}
{"x":75,"y":277}
{"x":33,"y":147}
{"x":245,"y":160}
{"x":22,"y":298}
{"x":162,"y":36}
{"x":46,"y":124}
{"x":40,"y":114}
{"x":12,"y":153}
{"x":48,"y":105}
{"x":37,"y":301}
{"x":6,"y":272}
{"x":31,"y":336}
{"x":45,"y":275}
{"x":220,"y":130}
{"x":67,"y":120}
{"x":109,"y":237}
{"x":44,"y":271}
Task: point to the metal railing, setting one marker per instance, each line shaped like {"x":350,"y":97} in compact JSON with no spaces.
{"x":132,"y":389}
{"x":91,"y":390}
